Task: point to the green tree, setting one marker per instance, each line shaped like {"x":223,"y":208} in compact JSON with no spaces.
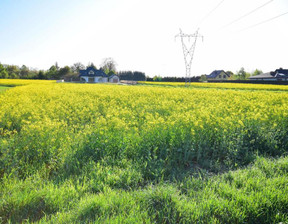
{"x":139,"y":76}
{"x":125,"y":75}
{"x":41,"y":75}
{"x":90,"y":64}
{"x":32,"y":74}
{"x":52,"y":73}
{"x":24,"y":72}
{"x":111,"y":73}
{"x":257,"y":72}
{"x":157,"y":78}
{"x":3,"y":72}
{"x":203,"y":78}
{"x":242,"y":74}
{"x":56,"y":65}
{"x":13,"y":71}
{"x":63,"y":72}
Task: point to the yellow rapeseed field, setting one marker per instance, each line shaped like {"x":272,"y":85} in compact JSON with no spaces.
{"x":111,"y":153}
{"x":222,"y":85}
{"x":21,"y":82}
{"x":140,"y":109}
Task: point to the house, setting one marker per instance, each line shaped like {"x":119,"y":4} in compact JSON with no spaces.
{"x":114,"y":78}
{"x":278,"y":75}
{"x":92,"y":75}
{"x":264,"y":76}
{"x":218,"y":75}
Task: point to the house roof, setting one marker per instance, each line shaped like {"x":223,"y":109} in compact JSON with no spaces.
{"x":267,"y":75}
{"x":111,"y":76}
{"x":282,"y":71}
{"x":215,"y":73}
{"x":92,"y":72}
{"x":278,"y":73}
{"x":281,"y":75}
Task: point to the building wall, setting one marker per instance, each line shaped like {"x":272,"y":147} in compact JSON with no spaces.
{"x":114,"y":79}
{"x":221,"y":76}
{"x":94,"y":79}
{"x":91,"y":79}
{"x":82,"y":78}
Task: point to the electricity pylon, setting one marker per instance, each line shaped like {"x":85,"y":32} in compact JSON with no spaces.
{"x":188,"y":52}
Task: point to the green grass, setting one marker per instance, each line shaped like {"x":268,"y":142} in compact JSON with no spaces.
{"x":3,"y":88}
{"x":257,"y":194}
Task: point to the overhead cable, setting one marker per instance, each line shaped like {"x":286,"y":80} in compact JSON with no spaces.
{"x":247,"y":14}
{"x":214,"y":9}
{"x":265,"y":21}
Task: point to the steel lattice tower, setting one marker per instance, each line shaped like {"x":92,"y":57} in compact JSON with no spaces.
{"x":188,"y":52}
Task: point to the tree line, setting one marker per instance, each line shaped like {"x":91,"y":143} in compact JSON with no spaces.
{"x":242,"y":74}
{"x":134,"y":76}
{"x":239,"y":75}
{"x":53,"y":73}
{"x":108,"y":65}
{"x":68,"y":73}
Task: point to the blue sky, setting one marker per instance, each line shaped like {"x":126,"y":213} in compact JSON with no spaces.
{"x":139,"y":35}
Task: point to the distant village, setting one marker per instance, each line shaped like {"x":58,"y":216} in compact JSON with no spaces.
{"x":277,"y":75}
{"x":92,"y":75}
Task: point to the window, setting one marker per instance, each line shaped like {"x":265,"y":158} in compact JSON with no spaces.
{"x":91,"y":72}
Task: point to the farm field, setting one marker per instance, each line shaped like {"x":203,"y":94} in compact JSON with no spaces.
{"x":236,"y":86}
{"x":92,"y":153}
{"x":23,"y":82}
{"x":2,"y":88}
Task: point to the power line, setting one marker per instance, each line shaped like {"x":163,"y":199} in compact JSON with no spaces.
{"x":247,"y":14}
{"x":214,"y":9}
{"x":265,"y":21}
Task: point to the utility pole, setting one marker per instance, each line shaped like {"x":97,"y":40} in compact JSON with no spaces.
{"x":188,"y":52}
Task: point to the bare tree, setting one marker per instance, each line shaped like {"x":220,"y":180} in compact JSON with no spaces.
{"x":108,"y":65}
{"x":76,"y":67}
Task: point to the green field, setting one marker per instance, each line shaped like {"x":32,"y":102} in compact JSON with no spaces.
{"x":2,"y":88}
{"x":86,"y":153}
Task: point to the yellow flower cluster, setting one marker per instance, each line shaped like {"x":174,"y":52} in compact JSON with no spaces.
{"x":222,"y":85}
{"x":138,"y":107}
{"x":52,"y":119}
{"x":21,"y":82}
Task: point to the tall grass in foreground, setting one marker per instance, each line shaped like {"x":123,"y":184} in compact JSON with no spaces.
{"x":106,"y":153}
{"x":257,"y":194}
